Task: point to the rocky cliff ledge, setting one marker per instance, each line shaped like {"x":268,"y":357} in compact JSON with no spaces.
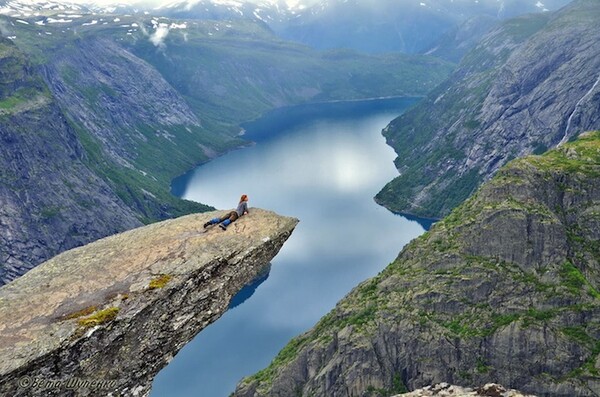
{"x":506,"y":289}
{"x":114,"y":312}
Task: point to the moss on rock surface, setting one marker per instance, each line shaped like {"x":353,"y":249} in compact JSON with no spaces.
{"x":505,"y":289}
{"x":100,"y":317}
{"x":159,"y":281}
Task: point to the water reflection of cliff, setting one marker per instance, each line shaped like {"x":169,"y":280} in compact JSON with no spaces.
{"x":249,"y":289}
{"x":424,"y":222}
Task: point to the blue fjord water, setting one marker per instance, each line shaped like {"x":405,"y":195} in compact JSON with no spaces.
{"x":321,"y":164}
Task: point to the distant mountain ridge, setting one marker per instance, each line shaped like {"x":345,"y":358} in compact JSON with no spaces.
{"x":373,"y":27}
{"x":391,"y":25}
{"x":363,"y":25}
{"x":529,"y":84}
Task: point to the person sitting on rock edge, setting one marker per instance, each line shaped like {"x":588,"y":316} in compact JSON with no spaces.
{"x":241,"y":210}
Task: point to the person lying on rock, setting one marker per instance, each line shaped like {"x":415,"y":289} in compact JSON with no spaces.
{"x":241,"y":210}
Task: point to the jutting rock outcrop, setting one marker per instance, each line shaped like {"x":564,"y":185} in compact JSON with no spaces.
{"x":505,"y":289}
{"x":104,"y":318}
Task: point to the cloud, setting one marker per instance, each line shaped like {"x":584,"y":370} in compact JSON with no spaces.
{"x":162,"y":31}
{"x":158,"y":37}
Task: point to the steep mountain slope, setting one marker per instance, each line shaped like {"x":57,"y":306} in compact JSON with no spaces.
{"x":101,"y":102}
{"x":530,"y":84}
{"x":505,"y":289}
{"x":50,"y":199}
{"x":140,"y":122}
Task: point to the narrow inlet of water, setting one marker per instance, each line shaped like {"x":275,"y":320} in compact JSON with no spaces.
{"x":321,"y":164}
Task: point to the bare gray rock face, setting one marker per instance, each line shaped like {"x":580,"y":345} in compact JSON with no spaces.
{"x":78,"y":147}
{"x":530,"y":84}
{"x":114,"y":312}
{"x":50,"y":200}
{"x":446,"y":390}
{"x":113,"y":94}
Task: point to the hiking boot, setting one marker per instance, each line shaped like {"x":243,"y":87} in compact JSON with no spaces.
{"x":207,"y":224}
{"x":222,"y":226}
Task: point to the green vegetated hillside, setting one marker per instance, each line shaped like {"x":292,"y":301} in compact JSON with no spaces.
{"x":504,"y":289}
{"x":530,"y":83}
{"x":236,"y":72}
{"x":133,"y":101}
